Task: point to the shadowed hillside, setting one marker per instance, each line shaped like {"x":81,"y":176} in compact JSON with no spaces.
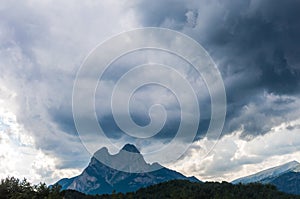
{"x":14,"y":188}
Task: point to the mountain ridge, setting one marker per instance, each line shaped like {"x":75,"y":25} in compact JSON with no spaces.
{"x":98,"y":178}
{"x":270,"y":172}
{"x":285,"y":177}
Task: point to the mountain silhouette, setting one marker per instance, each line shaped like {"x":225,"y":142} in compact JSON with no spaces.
{"x":98,"y":178}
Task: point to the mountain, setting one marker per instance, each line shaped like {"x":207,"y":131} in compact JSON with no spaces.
{"x":285,"y":177}
{"x":97,"y":178}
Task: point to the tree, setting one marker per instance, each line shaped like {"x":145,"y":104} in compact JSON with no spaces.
{"x":55,"y":192}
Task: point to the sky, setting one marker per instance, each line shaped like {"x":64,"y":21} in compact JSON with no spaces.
{"x":254,"y":44}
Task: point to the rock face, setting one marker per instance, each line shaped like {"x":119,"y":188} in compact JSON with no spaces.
{"x":97,"y":178}
{"x":285,"y":177}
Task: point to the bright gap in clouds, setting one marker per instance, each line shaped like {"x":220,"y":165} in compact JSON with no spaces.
{"x":19,"y":156}
{"x":233,"y":157}
{"x":42,"y":44}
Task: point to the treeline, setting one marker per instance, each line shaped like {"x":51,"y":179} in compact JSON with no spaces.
{"x":182,"y":189}
{"x":212,"y":190}
{"x":16,"y":189}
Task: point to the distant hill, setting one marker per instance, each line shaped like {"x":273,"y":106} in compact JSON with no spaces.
{"x":185,"y":189}
{"x":285,"y":177}
{"x":97,"y":178}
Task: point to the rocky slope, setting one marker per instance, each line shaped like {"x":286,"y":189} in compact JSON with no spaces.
{"x":285,"y":177}
{"x":97,"y":178}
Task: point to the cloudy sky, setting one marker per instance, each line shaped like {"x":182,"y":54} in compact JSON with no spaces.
{"x":254,"y":43}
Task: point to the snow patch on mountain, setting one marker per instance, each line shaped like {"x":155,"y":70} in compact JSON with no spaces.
{"x":271,"y":173}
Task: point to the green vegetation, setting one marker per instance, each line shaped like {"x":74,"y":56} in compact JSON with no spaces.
{"x":213,"y":190}
{"x":16,"y":189}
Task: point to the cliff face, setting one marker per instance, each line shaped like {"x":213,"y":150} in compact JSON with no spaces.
{"x":97,"y":178}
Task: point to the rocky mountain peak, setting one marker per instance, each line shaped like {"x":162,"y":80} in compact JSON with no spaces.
{"x":122,"y":172}
{"x":130,"y":148}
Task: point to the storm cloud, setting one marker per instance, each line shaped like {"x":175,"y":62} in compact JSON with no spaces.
{"x":255,"y":44}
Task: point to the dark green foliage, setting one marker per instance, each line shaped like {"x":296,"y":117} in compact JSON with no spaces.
{"x":185,"y":189}
{"x":190,"y":190}
{"x":15,"y":189}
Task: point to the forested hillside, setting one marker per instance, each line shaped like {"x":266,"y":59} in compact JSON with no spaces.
{"x":14,"y":188}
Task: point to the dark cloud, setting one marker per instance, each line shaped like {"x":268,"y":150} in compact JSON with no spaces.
{"x":64,"y":118}
{"x":256,"y":46}
{"x":170,"y":13}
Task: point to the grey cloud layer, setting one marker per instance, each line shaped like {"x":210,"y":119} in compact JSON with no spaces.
{"x":42,"y":45}
{"x":255,"y":45}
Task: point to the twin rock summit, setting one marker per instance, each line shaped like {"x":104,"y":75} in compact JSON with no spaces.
{"x":98,"y":178}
